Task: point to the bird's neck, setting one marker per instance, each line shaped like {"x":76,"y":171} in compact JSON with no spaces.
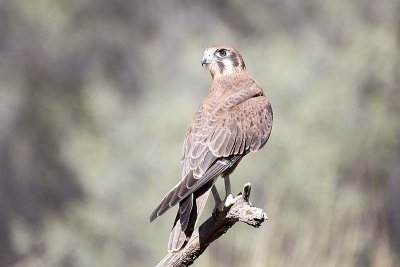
{"x":226,"y":74}
{"x":221,"y":84}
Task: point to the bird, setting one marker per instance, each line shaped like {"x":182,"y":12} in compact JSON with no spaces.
{"x":234,"y":119}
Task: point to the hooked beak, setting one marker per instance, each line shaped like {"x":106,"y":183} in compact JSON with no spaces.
{"x":206,"y":59}
{"x":203,"y":62}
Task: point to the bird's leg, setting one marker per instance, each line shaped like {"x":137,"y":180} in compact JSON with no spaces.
{"x":228,"y":196}
{"x":218,"y":202}
{"x":227,"y":186}
{"x":216,"y":195}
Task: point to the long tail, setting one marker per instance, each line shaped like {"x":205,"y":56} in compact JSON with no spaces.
{"x":188,"y":214}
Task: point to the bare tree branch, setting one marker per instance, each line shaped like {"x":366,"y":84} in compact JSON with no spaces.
{"x":234,"y":210}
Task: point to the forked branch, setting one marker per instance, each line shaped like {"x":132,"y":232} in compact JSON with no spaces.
{"x":240,"y":209}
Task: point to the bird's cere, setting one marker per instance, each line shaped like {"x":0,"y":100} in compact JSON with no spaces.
{"x":207,"y":58}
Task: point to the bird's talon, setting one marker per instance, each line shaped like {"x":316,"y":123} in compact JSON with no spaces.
{"x":214,"y":215}
{"x":229,"y":201}
{"x":217,"y":209}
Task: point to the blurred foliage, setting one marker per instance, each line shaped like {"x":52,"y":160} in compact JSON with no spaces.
{"x":95,"y":98}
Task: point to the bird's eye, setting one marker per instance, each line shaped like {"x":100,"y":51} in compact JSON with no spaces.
{"x":222,"y":52}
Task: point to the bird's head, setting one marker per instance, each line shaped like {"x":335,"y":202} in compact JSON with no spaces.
{"x":222,"y":61}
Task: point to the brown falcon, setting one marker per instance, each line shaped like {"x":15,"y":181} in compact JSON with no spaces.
{"x":234,"y":119}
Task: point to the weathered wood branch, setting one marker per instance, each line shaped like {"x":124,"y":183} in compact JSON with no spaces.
{"x":234,"y":210}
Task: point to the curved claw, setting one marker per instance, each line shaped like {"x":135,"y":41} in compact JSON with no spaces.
{"x":229,"y":201}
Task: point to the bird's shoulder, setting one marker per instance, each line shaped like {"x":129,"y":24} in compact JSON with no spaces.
{"x":228,"y":97}
{"x":235,"y":107}
{"x":224,"y":86}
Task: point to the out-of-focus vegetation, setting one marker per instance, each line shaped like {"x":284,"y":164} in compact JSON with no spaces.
{"x":95,"y":98}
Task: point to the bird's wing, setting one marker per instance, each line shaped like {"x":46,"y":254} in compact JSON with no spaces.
{"x":214,"y":129}
{"x":218,"y":137}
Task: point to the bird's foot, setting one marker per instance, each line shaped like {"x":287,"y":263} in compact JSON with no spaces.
{"x":229,"y":201}
{"x":218,"y":208}
{"x":223,"y":205}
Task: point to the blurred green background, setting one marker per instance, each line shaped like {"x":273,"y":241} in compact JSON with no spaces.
{"x":95,"y":98}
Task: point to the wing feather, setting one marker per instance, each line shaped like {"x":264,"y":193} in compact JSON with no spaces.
{"x":220,"y":134}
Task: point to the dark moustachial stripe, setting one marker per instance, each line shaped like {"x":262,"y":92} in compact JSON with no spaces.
{"x":221,"y":66}
{"x":242,"y":65}
{"x":241,"y":62}
{"x":234,"y":59}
